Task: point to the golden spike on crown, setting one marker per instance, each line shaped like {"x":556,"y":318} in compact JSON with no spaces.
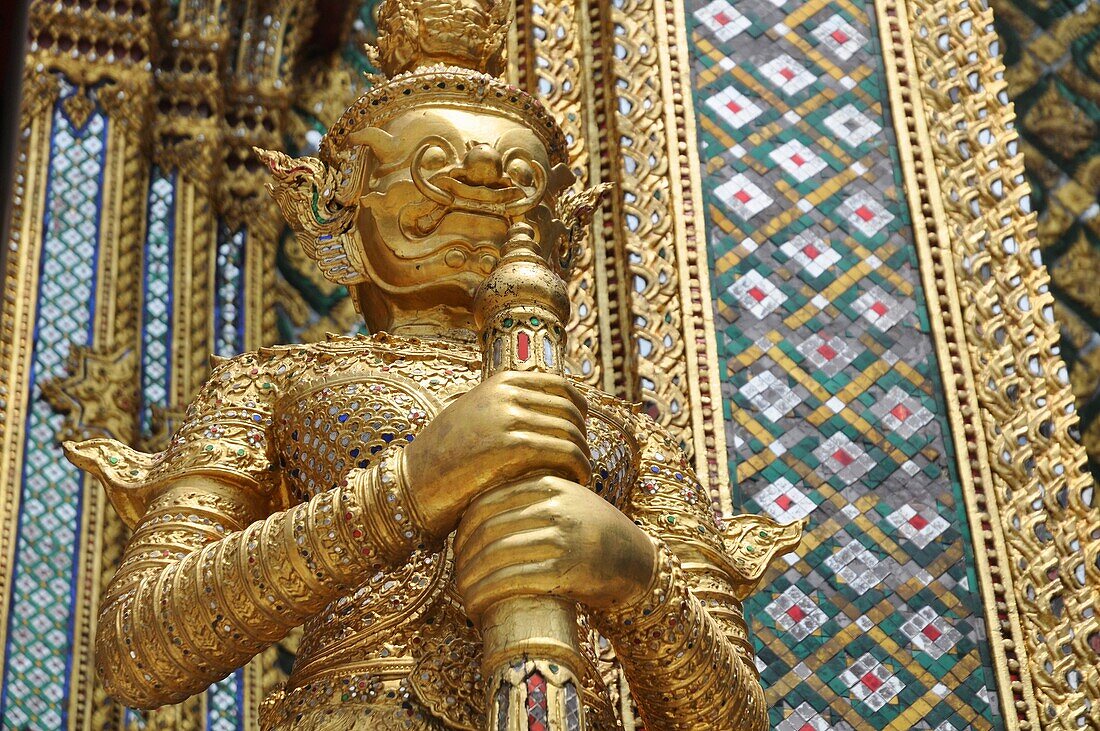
{"x":414,"y":34}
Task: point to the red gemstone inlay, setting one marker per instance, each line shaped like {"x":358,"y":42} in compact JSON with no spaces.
{"x":757,"y":294}
{"x":796,"y":613}
{"x":733,"y":107}
{"x":865,"y":213}
{"x":742,"y":196}
{"x":798,"y":160}
{"x":840,"y":36}
{"x":918,"y":521}
{"x":879,"y":308}
{"x":932,"y":633}
{"x":827,"y":352}
{"x":807,"y":727}
{"x":810,"y":250}
{"x":872,"y":682}
{"x":900,"y":412}
{"x":784,"y":502}
{"x":523,"y":346}
{"x":843,"y":457}
{"x":786,"y":73}
{"x":722,"y":18}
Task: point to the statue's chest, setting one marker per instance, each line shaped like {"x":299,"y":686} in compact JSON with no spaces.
{"x":330,"y":425}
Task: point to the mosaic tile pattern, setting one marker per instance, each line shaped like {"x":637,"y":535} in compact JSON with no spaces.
{"x":229,"y":292}
{"x":36,"y":672}
{"x":156,"y":323}
{"x":830,"y":382}
{"x":224,"y":711}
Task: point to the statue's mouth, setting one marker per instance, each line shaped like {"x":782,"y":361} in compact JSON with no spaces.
{"x":494,"y":198}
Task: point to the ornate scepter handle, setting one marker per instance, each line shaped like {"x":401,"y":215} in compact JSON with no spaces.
{"x":531,"y":657}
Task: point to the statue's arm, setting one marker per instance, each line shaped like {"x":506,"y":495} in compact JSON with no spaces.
{"x":204,"y":585}
{"x":684,"y":646}
{"x":220,"y":565}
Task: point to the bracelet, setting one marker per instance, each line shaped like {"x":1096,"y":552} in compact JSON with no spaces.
{"x":388,"y":514}
{"x":635,"y":616}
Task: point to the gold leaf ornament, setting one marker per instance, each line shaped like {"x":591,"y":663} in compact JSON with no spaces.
{"x":307,"y":192}
{"x":752,"y":543}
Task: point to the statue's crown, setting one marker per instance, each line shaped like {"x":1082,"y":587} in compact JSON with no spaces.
{"x":442,"y":52}
{"x":419,"y":33}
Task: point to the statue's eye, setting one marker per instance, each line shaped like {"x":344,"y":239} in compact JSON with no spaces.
{"x":521,"y":172}
{"x":434,"y":158}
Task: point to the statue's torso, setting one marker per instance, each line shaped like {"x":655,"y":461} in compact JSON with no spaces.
{"x":399,"y":652}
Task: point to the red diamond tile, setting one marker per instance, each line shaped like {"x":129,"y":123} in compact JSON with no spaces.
{"x":807,"y":727}
{"x":879,"y":309}
{"x":724,"y":19}
{"x":786,"y":73}
{"x":734,"y":107}
{"x":826,"y":352}
{"x":918,"y":522}
{"x":796,"y":613}
{"x":813,"y":252}
{"x":843,"y":457}
{"x":871,"y":681}
{"x":798,"y":160}
{"x":931,"y":633}
{"x":838,"y":35}
{"x":742,"y":196}
{"x":784,"y":502}
{"x":757,"y":294}
{"x":865,"y":213}
{"x":900,"y":412}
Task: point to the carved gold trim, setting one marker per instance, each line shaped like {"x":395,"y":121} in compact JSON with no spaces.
{"x":700,"y":340}
{"x":195,"y":240}
{"x":1009,"y":404}
{"x":18,"y":314}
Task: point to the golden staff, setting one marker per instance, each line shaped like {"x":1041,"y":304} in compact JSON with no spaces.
{"x":531,"y":657}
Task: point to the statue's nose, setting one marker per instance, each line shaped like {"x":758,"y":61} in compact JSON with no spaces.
{"x":482,"y":165}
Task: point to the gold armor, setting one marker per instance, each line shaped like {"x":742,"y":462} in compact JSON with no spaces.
{"x":323,"y":484}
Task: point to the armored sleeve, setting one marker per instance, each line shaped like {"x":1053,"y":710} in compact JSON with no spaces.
{"x":685,"y":647}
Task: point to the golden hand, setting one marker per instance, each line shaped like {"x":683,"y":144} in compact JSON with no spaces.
{"x":549,"y":535}
{"x":508,"y":427}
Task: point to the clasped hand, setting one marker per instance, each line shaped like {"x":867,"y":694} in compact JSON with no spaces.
{"x":505,"y":464}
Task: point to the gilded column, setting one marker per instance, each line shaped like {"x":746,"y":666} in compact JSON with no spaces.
{"x":559,"y":43}
{"x":70,"y":335}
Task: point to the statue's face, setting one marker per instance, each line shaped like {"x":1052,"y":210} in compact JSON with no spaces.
{"x":441,"y":188}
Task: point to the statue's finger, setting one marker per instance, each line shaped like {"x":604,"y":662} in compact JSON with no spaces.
{"x":536,"y":578}
{"x":479,"y":560}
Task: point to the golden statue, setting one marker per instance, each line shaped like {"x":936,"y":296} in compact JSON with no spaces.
{"x":471,"y":539}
